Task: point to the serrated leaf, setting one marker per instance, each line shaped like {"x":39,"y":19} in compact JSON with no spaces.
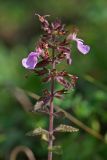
{"x":65,"y":128}
{"x":37,"y":131}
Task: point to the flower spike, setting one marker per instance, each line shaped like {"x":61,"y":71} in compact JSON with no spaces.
{"x":52,"y":48}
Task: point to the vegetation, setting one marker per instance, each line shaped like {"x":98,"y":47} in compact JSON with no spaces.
{"x":87,"y":102}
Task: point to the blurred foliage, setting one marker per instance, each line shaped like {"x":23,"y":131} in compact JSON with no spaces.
{"x":19,"y":30}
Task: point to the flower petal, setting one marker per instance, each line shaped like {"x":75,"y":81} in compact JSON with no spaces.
{"x":82,"y":47}
{"x":31,"y":61}
{"x":72,"y":36}
{"x":36,"y":54}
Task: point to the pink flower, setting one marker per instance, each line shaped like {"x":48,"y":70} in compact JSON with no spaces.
{"x":30,"y":62}
{"x":84,"y":49}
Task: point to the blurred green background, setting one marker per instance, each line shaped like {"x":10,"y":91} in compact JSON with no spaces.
{"x":19,"y":30}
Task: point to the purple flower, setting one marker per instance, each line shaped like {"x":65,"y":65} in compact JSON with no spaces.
{"x":31,"y":61}
{"x":84,"y":49}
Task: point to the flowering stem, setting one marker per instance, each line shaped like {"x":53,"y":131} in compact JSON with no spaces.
{"x":55,"y":38}
{"x":51,"y":112}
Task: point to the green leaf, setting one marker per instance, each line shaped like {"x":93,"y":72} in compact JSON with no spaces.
{"x":37,"y":131}
{"x":65,"y":128}
{"x":55,"y":149}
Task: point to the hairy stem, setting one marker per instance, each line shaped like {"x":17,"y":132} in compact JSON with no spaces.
{"x":51,"y":113}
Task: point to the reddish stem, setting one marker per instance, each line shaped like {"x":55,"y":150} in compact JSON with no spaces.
{"x":51,"y":118}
